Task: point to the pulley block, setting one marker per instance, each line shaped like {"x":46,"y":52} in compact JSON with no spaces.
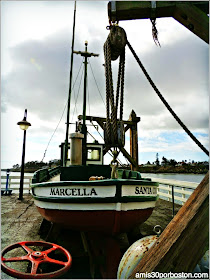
{"x":118,"y":40}
{"x":110,"y":139}
{"x":52,"y":258}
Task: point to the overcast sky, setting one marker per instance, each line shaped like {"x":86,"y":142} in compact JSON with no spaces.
{"x":35,"y":63}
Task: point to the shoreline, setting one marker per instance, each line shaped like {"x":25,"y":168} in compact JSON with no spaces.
{"x":147,"y":169}
{"x":175,"y":170}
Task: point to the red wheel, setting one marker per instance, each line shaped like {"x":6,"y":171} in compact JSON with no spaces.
{"x":37,"y":260}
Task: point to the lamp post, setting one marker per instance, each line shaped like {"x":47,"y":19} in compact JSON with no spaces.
{"x":24,"y":125}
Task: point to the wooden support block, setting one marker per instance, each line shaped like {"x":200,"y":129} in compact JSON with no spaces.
{"x":185,"y":240}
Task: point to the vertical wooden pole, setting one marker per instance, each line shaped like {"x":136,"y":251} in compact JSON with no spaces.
{"x":134,"y":139}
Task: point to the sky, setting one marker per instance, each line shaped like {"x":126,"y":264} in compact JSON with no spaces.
{"x":36,"y":39}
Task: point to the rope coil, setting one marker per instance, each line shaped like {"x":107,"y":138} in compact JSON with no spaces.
{"x":113,"y":130}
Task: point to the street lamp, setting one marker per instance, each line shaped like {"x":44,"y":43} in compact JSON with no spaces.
{"x":24,"y":125}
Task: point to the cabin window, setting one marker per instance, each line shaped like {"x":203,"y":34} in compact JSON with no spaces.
{"x":94,"y":154}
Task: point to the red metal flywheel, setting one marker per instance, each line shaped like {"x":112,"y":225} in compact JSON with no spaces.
{"x":36,"y":258}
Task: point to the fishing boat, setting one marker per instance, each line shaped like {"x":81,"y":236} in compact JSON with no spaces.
{"x":85,"y":194}
{"x":73,"y":199}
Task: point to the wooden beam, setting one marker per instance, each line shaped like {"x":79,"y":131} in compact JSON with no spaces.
{"x":185,"y":240}
{"x":103,"y":120}
{"x":193,"y":19}
{"x":129,"y":158}
{"x":192,"y":14}
{"x":127,"y":127}
{"x":128,"y":10}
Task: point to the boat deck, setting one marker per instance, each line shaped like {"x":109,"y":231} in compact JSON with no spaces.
{"x":21,"y":221}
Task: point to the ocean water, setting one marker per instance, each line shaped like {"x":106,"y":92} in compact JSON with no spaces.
{"x":196,"y":178}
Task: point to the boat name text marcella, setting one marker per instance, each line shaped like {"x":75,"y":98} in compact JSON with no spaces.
{"x":139,"y":190}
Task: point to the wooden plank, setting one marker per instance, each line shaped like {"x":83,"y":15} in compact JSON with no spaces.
{"x":185,"y":240}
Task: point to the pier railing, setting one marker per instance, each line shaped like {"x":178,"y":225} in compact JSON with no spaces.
{"x":171,"y":190}
{"x":175,"y":191}
{"x":14,"y":182}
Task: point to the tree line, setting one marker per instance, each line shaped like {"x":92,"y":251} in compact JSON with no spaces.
{"x":35,"y":165}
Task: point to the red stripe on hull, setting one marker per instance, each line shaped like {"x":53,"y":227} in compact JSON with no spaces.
{"x":111,"y":222}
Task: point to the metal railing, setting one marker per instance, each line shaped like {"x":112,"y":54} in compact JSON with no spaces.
{"x":14,"y":182}
{"x":175,"y":191}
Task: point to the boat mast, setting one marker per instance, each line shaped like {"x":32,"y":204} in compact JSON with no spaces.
{"x":70,"y":87}
{"x":84,"y":128}
{"x":85,"y":54}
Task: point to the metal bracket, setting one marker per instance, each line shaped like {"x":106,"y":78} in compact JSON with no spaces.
{"x":153,"y":9}
{"x":113,"y":10}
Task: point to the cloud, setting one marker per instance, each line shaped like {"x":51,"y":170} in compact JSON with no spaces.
{"x":39,"y":77}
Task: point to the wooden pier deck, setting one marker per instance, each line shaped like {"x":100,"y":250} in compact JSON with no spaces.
{"x":20,"y":221}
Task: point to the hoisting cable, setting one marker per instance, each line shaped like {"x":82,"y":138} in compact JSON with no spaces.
{"x":77,"y":93}
{"x":96,"y":129}
{"x":54,"y":132}
{"x":166,"y":103}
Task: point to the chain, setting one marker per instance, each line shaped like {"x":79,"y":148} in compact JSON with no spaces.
{"x":155,"y":32}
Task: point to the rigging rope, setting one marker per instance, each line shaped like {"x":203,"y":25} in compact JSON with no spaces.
{"x":96,"y":81}
{"x":166,"y":103}
{"x":54,"y":132}
{"x":77,"y":94}
{"x":61,"y":117}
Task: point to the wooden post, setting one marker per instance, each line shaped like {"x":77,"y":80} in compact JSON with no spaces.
{"x":185,"y":240}
{"x":134,"y":139}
